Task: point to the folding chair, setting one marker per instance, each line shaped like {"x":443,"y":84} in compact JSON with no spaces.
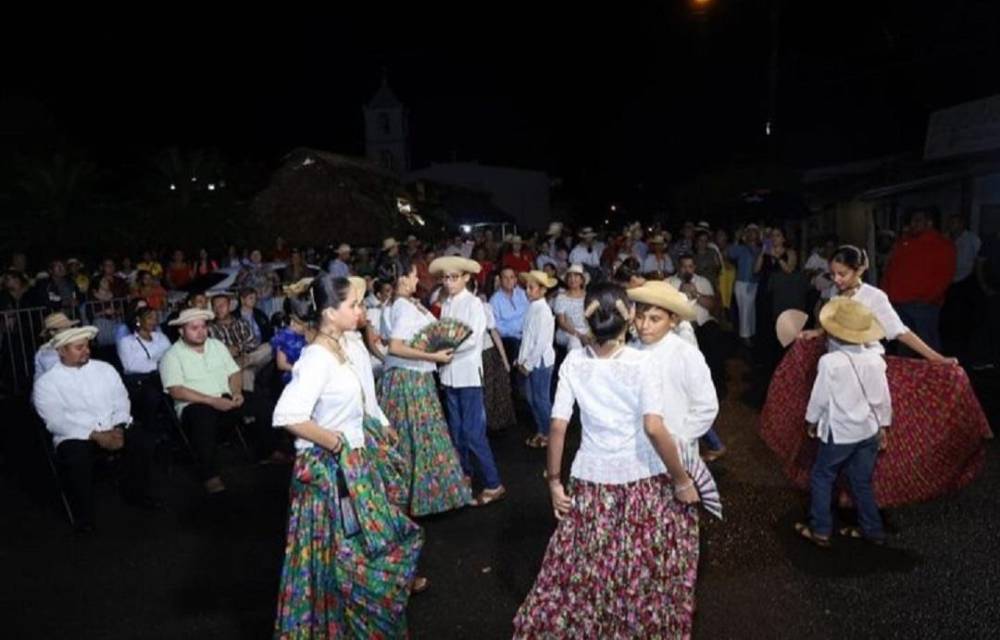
{"x":45,"y":440}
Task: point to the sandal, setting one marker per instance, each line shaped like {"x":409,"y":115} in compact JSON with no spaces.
{"x":489,"y":496}
{"x":537,"y":441}
{"x":803,"y":530}
{"x":419,"y":585}
{"x":855,"y":533}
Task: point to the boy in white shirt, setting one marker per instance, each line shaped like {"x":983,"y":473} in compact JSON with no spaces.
{"x":848,"y":411}
{"x":537,"y":356}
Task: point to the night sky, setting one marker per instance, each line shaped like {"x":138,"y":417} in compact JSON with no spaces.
{"x":616,"y":94}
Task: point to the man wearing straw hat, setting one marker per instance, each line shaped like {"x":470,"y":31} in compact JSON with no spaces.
{"x":339,"y":267}
{"x":85,"y":406}
{"x":207,"y":388}
{"x":849,"y":410}
{"x":690,"y":403}
{"x":47,"y":357}
{"x":462,"y":378}
{"x":587,"y":252}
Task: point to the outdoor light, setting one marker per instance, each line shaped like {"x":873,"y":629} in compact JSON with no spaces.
{"x":466,"y":228}
{"x":173,"y":187}
{"x":211,"y":187}
{"x":767,"y":128}
{"x":614,"y":208}
{"x":194,"y":178}
{"x":607,"y":222}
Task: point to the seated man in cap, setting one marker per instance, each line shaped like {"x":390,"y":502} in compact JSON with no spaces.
{"x":86,"y":408}
{"x":47,"y":357}
{"x":689,"y":401}
{"x":462,"y":378}
{"x":235,"y":332}
{"x":207,"y":388}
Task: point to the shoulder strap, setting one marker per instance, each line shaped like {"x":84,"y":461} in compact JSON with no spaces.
{"x":857,"y":375}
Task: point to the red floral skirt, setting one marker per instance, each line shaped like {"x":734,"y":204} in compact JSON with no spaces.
{"x":937,"y":442}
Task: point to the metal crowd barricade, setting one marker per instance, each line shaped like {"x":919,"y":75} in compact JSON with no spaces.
{"x":21,"y":336}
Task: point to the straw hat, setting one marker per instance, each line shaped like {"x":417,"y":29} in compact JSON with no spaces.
{"x":513,"y":239}
{"x":191,"y":315}
{"x":453,"y":263}
{"x":58,"y":321}
{"x":578,"y":269}
{"x":850,"y":321}
{"x":298,"y":287}
{"x":539,"y":277}
{"x":660,"y":294}
{"x":657,"y":239}
{"x":789,"y":324}
{"x":69,"y":336}
{"x":344,"y":248}
{"x":359,"y":285}
{"x":389,"y":243}
{"x":587,"y":233}
{"x":555,"y":229}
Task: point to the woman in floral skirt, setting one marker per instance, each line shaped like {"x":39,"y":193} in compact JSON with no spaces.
{"x":622,"y":562}
{"x":350,"y":555}
{"x":434,"y":479}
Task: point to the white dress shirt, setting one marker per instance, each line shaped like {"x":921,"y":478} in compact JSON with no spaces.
{"x":967,"y":246}
{"x":140,"y":356}
{"x":326,"y":391}
{"x":653,"y":264}
{"x":361,"y":363}
{"x":704,"y":287}
{"x":536,"y":341}
{"x":878,"y":303}
{"x":613,"y":395}
{"x":850,"y":399}
{"x":466,"y":367}
{"x":45,"y":358}
{"x":402,"y":321}
{"x":588,"y":257}
{"x":690,"y":404}
{"x":74,"y":401}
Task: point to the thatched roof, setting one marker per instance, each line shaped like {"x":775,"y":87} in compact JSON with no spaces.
{"x":318,"y":197}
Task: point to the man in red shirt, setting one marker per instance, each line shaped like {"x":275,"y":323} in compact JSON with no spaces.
{"x":517,"y":258}
{"x":920,"y":270}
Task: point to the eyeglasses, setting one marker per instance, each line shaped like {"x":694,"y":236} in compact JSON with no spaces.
{"x":451,"y":276}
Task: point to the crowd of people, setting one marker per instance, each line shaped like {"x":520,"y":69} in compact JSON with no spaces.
{"x":312,"y":354}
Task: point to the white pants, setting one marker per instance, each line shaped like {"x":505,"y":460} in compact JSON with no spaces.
{"x":746,"y":298}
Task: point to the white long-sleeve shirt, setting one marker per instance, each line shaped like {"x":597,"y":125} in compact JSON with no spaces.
{"x":652,"y":264}
{"x":45,"y":358}
{"x":361,"y":363}
{"x":589,"y":257}
{"x":850,"y":399}
{"x":466,"y":367}
{"x":690,"y":404}
{"x":536,"y":341}
{"x":140,"y":356}
{"x":74,"y":401}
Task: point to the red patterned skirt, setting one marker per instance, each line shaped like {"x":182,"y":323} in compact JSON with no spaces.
{"x":621,"y":564}
{"x":937,"y":442}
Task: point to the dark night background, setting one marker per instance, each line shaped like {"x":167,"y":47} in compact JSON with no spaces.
{"x":617,"y":101}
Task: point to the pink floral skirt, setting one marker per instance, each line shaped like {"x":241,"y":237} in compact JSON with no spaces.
{"x":622,"y":564}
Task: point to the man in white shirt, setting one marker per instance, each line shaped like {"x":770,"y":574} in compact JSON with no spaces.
{"x":587,"y":252}
{"x":690,"y":405}
{"x":339,"y":267}
{"x":86,"y":408}
{"x":702,"y":295}
{"x":462,"y":378}
{"x":848,"y":410}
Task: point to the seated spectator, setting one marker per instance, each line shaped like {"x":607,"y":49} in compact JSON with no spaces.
{"x":340,"y":267}
{"x":127,"y":272}
{"x":117,"y":285}
{"x":699,"y":290}
{"x":657,"y":265}
{"x":517,"y":258}
{"x":63,"y":294}
{"x":86,"y":408}
{"x":18,"y":293}
{"x":207,"y":388}
{"x":47,"y":357}
{"x":288,"y":344}
{"x":151,"y":264}
{"x":147,"y":288}
{"x":236,"y":334}
{"x":203,"y":265}
{"x":179,"y":272}
{"x":78,"y":274}
{"x":140,"y":354}
{"x":257,"y":319}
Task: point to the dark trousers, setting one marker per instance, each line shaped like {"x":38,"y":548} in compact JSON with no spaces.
{"x":76,"y":462}
{"x":202,"y":423}
{"x":961,"y":316}
{"x":512,"y":346}
{"x":467,"y":424}
{"x":713,"y":347}
{"x":145,"y":392}
{"x":857,"y":460}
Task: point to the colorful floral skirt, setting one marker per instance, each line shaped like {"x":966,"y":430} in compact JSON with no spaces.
{"x":497,"y":393}
{"x":335,"y":585}
{"x":387,"y":462}
{"x":622,"y":564}
{"x":937,"y":441}
{"x":433,"y":477}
